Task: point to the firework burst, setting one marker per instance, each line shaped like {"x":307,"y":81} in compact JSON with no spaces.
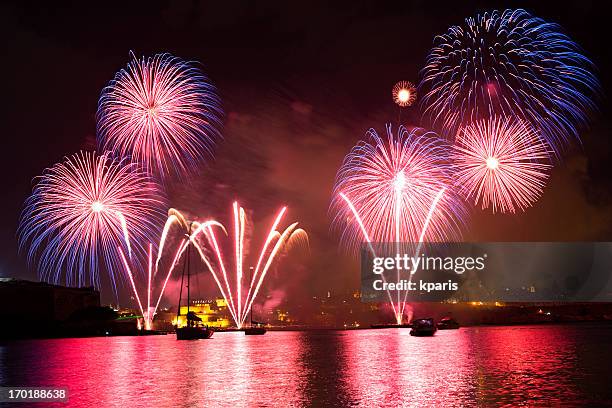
{"x":404,"y":93}
{"x":392,"y":182}
{"x":500,"y":163}
{"x":509,"y":63}
{"x":81,"y":211}
{"x":162,"y":112}
{"x":395,"y":191}
{"x":239,"y":292}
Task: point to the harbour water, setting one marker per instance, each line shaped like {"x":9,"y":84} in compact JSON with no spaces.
{"x":544,"y":365}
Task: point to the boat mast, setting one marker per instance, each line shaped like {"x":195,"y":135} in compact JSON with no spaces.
{"x":185,"y":266}
{"x":178,"y":312}
{"x":250,"y":273}
{"x":188,"y":272}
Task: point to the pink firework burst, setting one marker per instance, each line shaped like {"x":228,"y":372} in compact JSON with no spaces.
{"x":501,"y":163}
{"x":162,"y":112}
{"x":396,"y":190}
{"x":391,"y":183}
{"x":81,"y":211}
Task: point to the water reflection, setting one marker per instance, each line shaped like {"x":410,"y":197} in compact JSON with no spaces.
{"x":546,"y":365}
{"x":406,"y":370}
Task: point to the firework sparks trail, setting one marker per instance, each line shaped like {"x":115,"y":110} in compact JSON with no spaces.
{"x":366,"y":236}
{"x":150,"y":310}
{"x":396,"y":189}
{"x":162,"y":112}
{"x":509,"y":63}
{"x":238,"y":304}
{"x":400,"y":307}
{"x":81,"y":211}
{"x":501,"y":163}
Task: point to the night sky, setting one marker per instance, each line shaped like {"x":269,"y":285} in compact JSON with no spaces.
{"x":300,"y":84}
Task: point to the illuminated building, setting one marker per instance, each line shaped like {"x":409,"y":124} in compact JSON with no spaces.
{"x":214,"y":313}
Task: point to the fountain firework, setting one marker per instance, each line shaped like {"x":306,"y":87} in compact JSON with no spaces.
{"x":190,"y":232}
{"x":275,"y":244}
{"x":395,"y":190}
{"x":238,"y":303}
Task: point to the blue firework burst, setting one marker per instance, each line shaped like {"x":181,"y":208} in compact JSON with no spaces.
{"x":509,"y":63}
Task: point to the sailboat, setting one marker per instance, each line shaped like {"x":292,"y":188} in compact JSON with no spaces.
{"x":255,"y":328}
{"x":194,"y":329}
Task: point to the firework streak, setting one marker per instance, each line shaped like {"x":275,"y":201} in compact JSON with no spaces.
{"x":204,"y":239}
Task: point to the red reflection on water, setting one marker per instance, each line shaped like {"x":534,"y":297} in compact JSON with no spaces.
{"x":535,"y":364}
{"x":389,"y":367}
{"x":513,"y":366}
{"x":228,"y":370}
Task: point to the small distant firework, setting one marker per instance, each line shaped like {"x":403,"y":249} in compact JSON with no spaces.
{"x":501,"y":163}
{"x":81,"y":211}
{"x":162,"y":112}
{"x":509,"y":63}
{"x":396,"y":190}
{"x":404,"y":93}
{"x":275,"y":244}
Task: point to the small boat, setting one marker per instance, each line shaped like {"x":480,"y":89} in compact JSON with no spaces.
{"x":448,"y":323}
{"x":423,"y":327}
{"x":194,"y":329}
{"x":193,"y":333}
{"x":254,"y":331}
{"x":255,"y":328}
{"x":390,"y":326}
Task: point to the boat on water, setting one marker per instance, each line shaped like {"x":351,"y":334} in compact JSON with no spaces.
{"x":193,"y":333}
{"x":423,"y":327}
{"x":194,"y":329}
{"x":390,"y":326}
{"x":255,"y":329}
{"x":448,"y":323}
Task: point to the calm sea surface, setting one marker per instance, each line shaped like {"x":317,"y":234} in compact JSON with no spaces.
{"x":484,"y":366}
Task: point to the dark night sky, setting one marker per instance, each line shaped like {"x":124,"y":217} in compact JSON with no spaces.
{"x":300,"y":84}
